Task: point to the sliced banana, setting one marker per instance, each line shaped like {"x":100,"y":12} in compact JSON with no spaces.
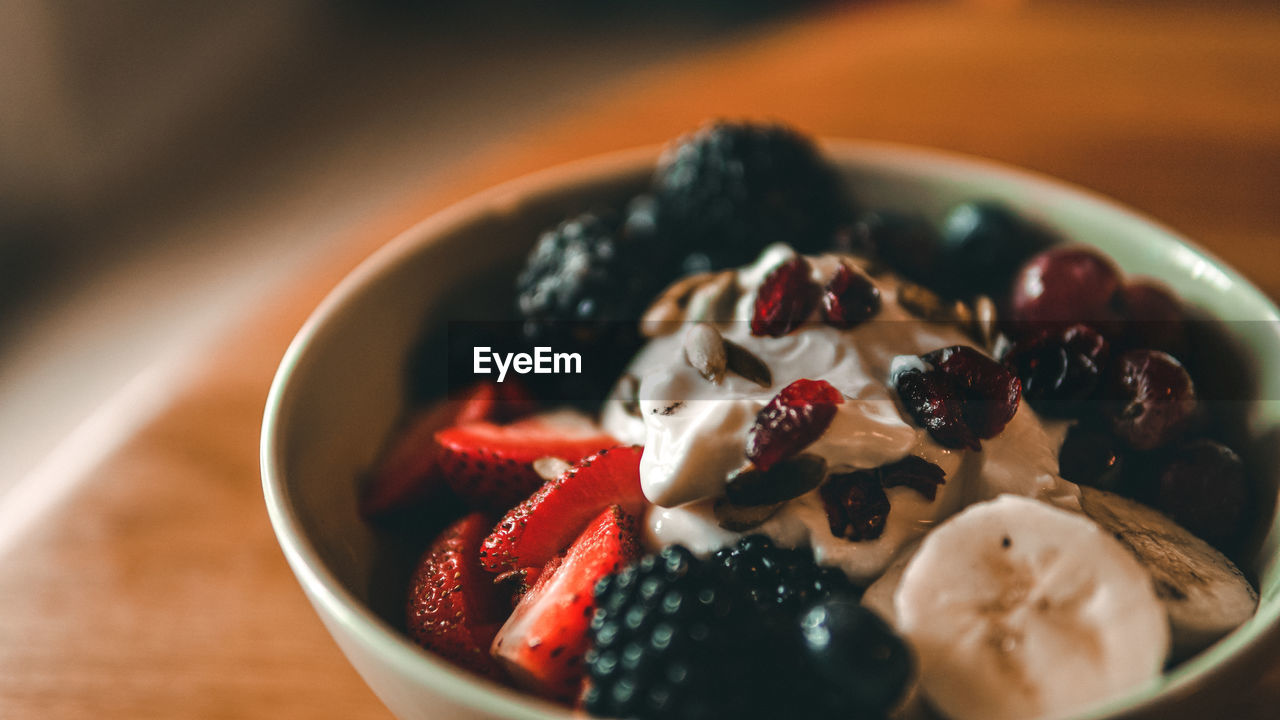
{"x":1018,"y":609}
{"x":1205,"y":595}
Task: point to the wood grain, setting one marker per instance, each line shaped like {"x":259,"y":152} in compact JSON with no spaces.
{"x":157,"y":589}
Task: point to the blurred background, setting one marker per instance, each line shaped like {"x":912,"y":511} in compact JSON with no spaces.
{"x":165,"y":166}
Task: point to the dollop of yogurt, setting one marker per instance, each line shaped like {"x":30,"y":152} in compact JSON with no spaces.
{"x":694,"y":430}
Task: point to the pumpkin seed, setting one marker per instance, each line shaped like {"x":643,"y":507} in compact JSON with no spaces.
{"x":793,"y":477}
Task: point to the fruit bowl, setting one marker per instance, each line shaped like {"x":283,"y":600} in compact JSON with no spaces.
{"x":344,"y":383}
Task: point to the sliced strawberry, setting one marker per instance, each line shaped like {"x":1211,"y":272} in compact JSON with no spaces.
{"x":490,"y":465}
{"x":454,"y":608}
{"x":544,"y":640}
{"x":501,"y":402}
{"x":542,"y":526}
{"x":408,"y":472}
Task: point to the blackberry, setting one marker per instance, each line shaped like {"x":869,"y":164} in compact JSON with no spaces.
{"x":672,"y":639}
{"x":738,"y":636}
{"x":781,"y":579}
{"x":584,"y":286}
{"x":728,"y":190}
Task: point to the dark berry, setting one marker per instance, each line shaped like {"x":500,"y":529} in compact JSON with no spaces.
{"x":908,"y":243}
{"x":640,"y":223}
{"x":788,"y":478}
{"x":1064,"y":286}
{"x":849,"y":299}
{"x":584,"y":286}
{"x":1092,"y":456}
{"x":781,"y":579}
{"x":934,"y":403}
{"x":1203,"y":488}
{"x":785,"y":299}
{"x":729,"y":189}
{"x":982,"y":245}
{"x":1153,"y":317}
{"x":673,"y":637}
{"x":856,"y":505}
{"x":1153,"y":399}
{"x":1060,"y":370}
{"x":791,"y":421}
{"x":989,"y":393}
{"x":862,"y":666}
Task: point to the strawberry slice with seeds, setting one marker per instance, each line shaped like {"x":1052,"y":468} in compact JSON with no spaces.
{"x":542,"y":526}
{"x":543,"y":642}
{"x":454,"y":608}
{"x":408,"y":471}
{"x":491,"y":466}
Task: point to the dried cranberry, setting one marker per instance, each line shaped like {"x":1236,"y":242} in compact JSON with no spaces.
{"x":849,"y":299}
{"x":1065,"y":286}
{"x":856,"y":505}
{"x":932,"y":401}
{"x":1091,"y":456}
{"x":988,"y":392}
{"x":1154,"y":399}
{"x":1203,"y":489}
{"x":792,"y":421}
{"x":914,"y":472}
{"x":785,"y":299}
{"x":1059,"y":370}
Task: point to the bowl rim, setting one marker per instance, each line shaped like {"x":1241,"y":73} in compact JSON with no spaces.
{"x":469,"y":690}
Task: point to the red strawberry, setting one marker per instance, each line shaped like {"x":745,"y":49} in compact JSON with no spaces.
{"x":543,"y":641}
{"x":503,"y":402}
{"x":454,"y":608}
{"x":408,"y":472}
{"x":490,"y":465}
{"x":537,"y":529}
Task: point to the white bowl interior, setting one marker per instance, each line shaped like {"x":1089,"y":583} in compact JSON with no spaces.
{"x":344,"y":383}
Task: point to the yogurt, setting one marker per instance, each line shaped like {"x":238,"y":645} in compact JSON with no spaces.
{"x":694,"y":431}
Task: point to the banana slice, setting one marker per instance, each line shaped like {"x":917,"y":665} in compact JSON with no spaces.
{"x":1018,"y":609}
{"x":1205,"y":595}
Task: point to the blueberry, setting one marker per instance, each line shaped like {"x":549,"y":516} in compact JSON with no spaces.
{"x":861,"y":665}
{"x":906,"y":242}
{"x":983,"y":243}
{"x":1091,"y":456}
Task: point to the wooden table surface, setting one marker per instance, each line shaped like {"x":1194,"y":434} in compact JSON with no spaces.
{"x":155,"y":588}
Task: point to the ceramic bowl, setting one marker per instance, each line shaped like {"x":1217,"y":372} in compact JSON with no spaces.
{"x":343,"y":384}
